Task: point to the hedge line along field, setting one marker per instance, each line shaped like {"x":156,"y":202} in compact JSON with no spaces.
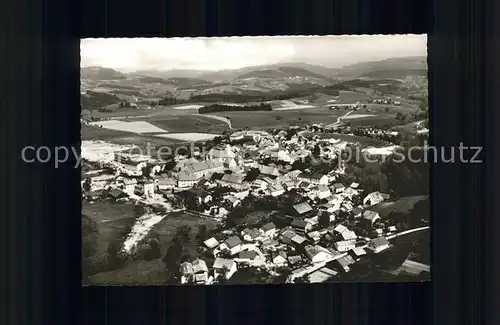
{"x":379,"y":121}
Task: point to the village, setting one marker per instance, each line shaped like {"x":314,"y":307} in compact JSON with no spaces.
{"x":314,"y":226}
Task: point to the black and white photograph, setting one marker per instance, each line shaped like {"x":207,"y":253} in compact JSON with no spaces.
{"x":255,"y":160}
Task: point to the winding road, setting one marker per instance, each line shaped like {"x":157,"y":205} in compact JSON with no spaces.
{"x":339,"y":120}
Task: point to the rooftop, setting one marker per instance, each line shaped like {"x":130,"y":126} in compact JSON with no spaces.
{"x":379,"y":242}
{"x":221,"y":263}
{"x":233,"y":178}
{"x":302,"y":208}
{"x":268,"y":226}
{"x":233,"y":241}
{"x":211,"y":242}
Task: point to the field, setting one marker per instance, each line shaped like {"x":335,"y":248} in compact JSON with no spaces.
{"x":134,"y":126}
{"x":133,"y":273}
{"x":268,"y":119}
{"x":189,"y":123}
{"x":124,"y":138}
{"x":112,"y":218}
{"x":167,"y":228}
{"x":184,"y":118}
{"x":123,"y":112}
{"x":403,"y":205}
{"x":92,"y":133}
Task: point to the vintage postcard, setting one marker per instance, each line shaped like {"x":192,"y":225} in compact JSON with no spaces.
{"x":255,"y":160}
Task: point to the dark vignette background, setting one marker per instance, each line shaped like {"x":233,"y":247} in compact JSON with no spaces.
{"x":42,"y":225}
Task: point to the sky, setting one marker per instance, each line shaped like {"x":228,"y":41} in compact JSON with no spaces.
{"x":132,"y":54}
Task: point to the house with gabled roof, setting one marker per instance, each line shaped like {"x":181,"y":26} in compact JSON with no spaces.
{"x":299,"y":241}
{"x":211,"y":243}
{"x":251,"y":234}
{"x":317,"y":253}
{"x":354,"y":185}
{"x":166,"y":183}
{"x":235,"y":181}
{"x":357,"y":212}
{"x":269,"y":171}
{"x":314,"y":178}
{"x":186,"y":179}
{"x":302,"y":209}
{"x":224,"y":267}
{"x":357,"y":253}
{"x":268,"y":230}
{"x":345,"y":245}
{"x":338,"y":188}
{"x":187,"y":273}
{"x":301,"y":227}
{"x":378,"y":244}
{"x":276,"y":190}
{"x":232,"y":244}
{"x":295,"y":260}
{"x":344,"y":263}
{"x":374,"y":198}
{"x":371,"y":216}
{"x":200,"y":271}
{"x":280,"y":259}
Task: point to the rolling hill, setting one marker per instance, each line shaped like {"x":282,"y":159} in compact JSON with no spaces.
{"x":170,"y":78}
{"x":389,"y":68}
{"x":95,"y":100}
{"x":264,"y":71}
{"x":396,"y":73}
{"x":100,"y":73}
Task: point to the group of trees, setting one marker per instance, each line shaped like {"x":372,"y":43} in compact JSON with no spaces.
{"x":228,"y":108}
{"x":383,"y":136}
{"x":400,"y":116}
{"x":95,"y":100}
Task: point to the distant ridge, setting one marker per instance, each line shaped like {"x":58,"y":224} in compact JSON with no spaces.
{"x":398,"y":66}
{"x":388,"y":68}
{"x":100,"y":73}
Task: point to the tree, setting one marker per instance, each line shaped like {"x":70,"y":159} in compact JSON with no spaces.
{"x":90,"y":234}
{"x":87,"y":185}
{"x":172,"y":256}
{"x":146,"y":170}
{"x":302,"y":279}
{"x":202,"y":233}
{"x":324,"y":220}
{"x":154,"y":250}
{"x":386,"y":109}
{"x":139,"y":210}
{"x":252,"y":174}
{"x":184,"y":232}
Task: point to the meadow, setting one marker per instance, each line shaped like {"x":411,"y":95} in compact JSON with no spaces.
{"x":154,"y":271}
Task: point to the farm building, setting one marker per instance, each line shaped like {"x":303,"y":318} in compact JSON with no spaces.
{"x":378,"y":244}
